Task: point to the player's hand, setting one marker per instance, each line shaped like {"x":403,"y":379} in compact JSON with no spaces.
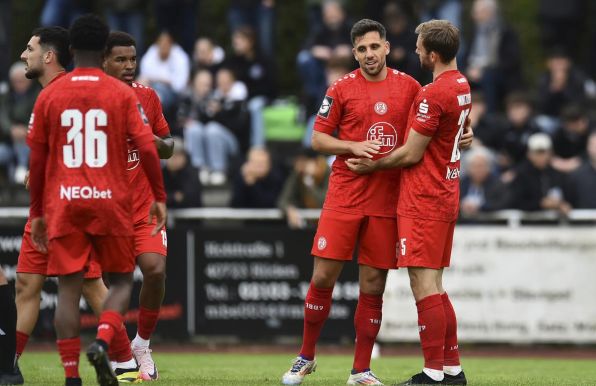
{"x":365,"y":148}
{"x":159,"y":211}
{"x":39,"y":234}
{"x":465,"y":141}
{"x":361,"y":165}
{"x":26,"y":181}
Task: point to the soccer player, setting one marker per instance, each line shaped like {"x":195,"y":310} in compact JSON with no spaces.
{"x":429,"y":201}
{"x":9,"y":375}
{"x":368,"y":107}
{"x":150,"y":251}
{"x":80,"y":201}
{"x":46,"y":57}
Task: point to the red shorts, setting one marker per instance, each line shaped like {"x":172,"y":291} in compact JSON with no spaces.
{"x":338,"y":232}
{"x":424,"y":243}
{"x":145,"y":243}
{"x":71,"y":253}
{"x":34,"y":262}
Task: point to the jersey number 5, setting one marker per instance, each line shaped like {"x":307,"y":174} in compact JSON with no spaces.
{"x":92,"y":145}
{"x":455,"y":153}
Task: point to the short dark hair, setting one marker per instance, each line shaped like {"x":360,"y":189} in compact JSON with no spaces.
{"x":119,"y":39}
{"x":89,"y":33}
{"x":441,"y":37}
{"x":519,"y":97}
{"x":364,"y":26}
{"x":55,"y":39}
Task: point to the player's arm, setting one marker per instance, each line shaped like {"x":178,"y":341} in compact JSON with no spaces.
{"x":465,"y":141}
{"x":164,"y":145}
{"x":328,"y":144}
{"x":407,"y":155}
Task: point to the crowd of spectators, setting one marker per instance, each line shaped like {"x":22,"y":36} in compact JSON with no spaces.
{"x":535,"y":145}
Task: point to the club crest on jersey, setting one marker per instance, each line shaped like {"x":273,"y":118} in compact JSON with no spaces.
{"x":385,"y":133}
{"x":380,"y":108}
{"x":322,"y":243}
{"x":133,"y":159}
{"x":325,"y":107}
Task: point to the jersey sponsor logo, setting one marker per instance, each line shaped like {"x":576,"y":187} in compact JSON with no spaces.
{"x":142,"y":112}
{"x":84,"y":192}
{"x":325,"y":107}
{"x":423,"y":107}
{"x":322,"y":243}
{"x":385,"y":133}
{"x":85,"y":78}
{"x":380,"y":108}
{"x":134,"y":158}
{"x":465,"y":99}
{"x":452,"y":174}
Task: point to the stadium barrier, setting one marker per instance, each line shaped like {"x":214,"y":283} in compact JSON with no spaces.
{"x":243,"y":274}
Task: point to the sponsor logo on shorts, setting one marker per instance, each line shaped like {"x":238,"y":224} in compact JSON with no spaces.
{"x":322,"y":243}
{"x":380,"y":108}
{"x":84,"y":193}
{"x":385,"y":133}
{"x":325,"y":107}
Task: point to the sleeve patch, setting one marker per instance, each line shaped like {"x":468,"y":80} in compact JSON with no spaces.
{"x":325,"y":107}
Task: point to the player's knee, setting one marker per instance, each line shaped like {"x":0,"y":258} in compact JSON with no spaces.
{"x":323,"y":279}
{"x":23,"y":288}
{"x":154,"y":276}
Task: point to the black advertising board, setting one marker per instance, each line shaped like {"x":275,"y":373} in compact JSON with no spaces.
{"x":251,"y":283}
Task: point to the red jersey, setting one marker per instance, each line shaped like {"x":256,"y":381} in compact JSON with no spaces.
{"x":362,"y":110}
{"x":142,"y":196}
{"x":58,"y":76}
{"x":430,"y":189}
{"x":83,"y":120}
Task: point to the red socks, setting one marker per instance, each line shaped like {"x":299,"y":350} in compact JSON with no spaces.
{"x":147,"y":322}
{"x":316,"y":310}
{"x":119,"y":349}
{"x":451,"y":351}
{"x":432,"y":326}
{"x":70,"y":350}
{"x":367,"y":322}
{"x":22,"y":340}
{"x":109,"y":323}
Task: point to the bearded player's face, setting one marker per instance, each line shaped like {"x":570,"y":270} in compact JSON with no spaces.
{"x":32,"y":56}
{"x":121,"y":63}
{"x":371,"y":51}
{"x":424,"y":56}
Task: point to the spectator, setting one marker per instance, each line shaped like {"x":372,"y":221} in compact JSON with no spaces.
{"x":494,"y":58}
{"x":305,"y":188}
{"x":166,"y":68}
{"x":562,"y":84}
{"x":331,"y":41}
{"x":181,"y":180}
{"x":519,"y":126}
{"x":402,"y":40}
{"x":260,"y":15}
{"x":256,"y":72}
{"x":207,"y":55}
{"x":488,"y":128}
{"x":570,"y":139}
{"x":127,"y":16}
{"x":180,"y":18}
{"x":481,"y":189}
{"x":216,"y":125}
{"x":258,"y":184}
{"x":537,"y":186}
{"x":15,"y":111}
{"x":583,"y":181}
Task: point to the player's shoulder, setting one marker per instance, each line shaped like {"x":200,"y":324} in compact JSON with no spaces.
{"x":141,"y":89}
{"x":402,"y":77}
{"x":346,"y":81}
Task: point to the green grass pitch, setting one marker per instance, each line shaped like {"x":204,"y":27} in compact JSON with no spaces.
{"x":266,"y":369}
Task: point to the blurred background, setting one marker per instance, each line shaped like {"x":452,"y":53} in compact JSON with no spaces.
{"x":240,"y":82}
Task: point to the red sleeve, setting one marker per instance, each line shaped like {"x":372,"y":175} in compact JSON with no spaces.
{"x":428,"y":112}
{"x":329,"y":114}
{"x":37,"y":170}
{"x":152,"y":168}
{"x":158,"y":121}
{"x":36,"y":131}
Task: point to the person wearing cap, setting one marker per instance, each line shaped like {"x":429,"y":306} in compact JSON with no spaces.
{"x":537,"y":186}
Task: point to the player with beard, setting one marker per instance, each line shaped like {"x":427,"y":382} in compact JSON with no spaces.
{"x":150,"y":251}
{"x":429,"y":203}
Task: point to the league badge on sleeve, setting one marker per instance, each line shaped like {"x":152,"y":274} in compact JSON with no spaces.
{"x":325,"y":107}
{"x":142,"y":112}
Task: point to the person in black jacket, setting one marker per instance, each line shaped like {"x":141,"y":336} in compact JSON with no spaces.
{"x":181,"y":180}
{"x":537,"y":186}
{"x":259,"y":183}
{"x":582,"y":182}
